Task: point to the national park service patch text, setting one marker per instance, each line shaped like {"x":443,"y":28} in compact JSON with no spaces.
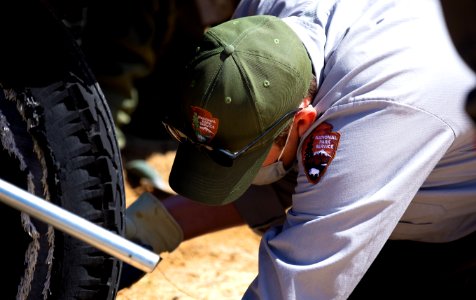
{"x":319,"y":148}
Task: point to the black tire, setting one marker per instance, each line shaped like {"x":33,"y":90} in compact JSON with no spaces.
{"x":57,"y":141}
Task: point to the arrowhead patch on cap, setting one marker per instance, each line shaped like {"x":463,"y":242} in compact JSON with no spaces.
{"x":319,"y":148}
{"x":204,"y":124}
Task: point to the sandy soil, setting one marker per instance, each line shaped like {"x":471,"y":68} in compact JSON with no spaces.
{"x":219,"y":265}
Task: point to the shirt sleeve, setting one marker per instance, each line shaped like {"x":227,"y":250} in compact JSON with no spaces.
{"x":338,"y":225}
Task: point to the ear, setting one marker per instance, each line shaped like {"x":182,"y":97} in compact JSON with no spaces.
{"x":305,"y":117}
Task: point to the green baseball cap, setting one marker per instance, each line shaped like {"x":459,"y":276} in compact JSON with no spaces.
{"x":247,"y":73}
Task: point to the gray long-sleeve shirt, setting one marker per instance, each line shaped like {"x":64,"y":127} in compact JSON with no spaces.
{"x":392,"y":154}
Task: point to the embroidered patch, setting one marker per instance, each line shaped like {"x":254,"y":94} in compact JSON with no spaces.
{"x":204,"y":124}
{"x":319,"y":148}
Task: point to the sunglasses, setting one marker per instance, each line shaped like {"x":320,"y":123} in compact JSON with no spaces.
{"x":222,"y":156}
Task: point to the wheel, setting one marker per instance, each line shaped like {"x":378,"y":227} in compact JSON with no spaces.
{"x":57,"y":141}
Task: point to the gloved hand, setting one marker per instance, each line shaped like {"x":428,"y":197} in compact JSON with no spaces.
{"x":148,"y":222}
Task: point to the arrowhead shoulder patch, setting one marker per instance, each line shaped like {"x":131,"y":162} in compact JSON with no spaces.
{"x":319,"y":148}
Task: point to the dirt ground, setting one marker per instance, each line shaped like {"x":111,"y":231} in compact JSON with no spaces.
{"x":219,"y":265}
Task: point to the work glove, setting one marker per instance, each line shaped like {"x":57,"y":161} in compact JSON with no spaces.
{"x":149,"y":223}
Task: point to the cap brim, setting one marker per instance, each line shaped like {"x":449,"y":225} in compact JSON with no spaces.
{"x":196,"y":176}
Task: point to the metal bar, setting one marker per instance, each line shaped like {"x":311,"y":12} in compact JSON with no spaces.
{"x":78,"y":227}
